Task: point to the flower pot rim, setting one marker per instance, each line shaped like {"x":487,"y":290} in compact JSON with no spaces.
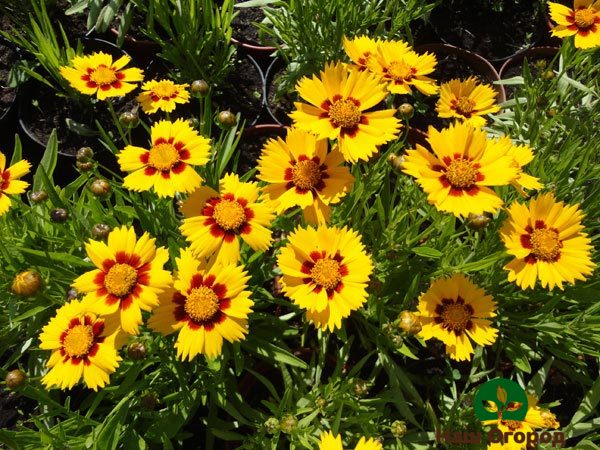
{"x":541,"y":50}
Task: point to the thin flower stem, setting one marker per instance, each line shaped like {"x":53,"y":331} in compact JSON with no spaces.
{"x":116,"y":121}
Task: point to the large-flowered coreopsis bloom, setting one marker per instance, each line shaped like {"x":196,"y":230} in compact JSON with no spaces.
{"x":9,"y":181}
{"x":464,"y":164}
{"x":128,"y":278}
{"x":98,"y":74}
{"x":214,"y":221}
{"x":360,"y":49}
{"x":339,"y":100}
{"x":84,"y":345}
{"x":329,"y":441}
{"x":467,"y":100}
{"x":168,"y":166}
{"x":581,"y":21}
{"x":208,"y":304}
{"x":454,"y":310}
{"x":403,"y":69}
{"x":162,"y":95}
{"x":547,"y":240}
{"x":325,"y":271}
{"x":301,"y":172}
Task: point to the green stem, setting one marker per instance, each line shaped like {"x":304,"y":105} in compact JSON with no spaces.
{"x":117,"y":122}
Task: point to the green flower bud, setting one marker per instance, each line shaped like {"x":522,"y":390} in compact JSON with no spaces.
{"x":227,"y":119}
{"x":38,"y":196}
{"x":360,"y":388}
{"x":15,"y":379}
{"x":199,"y":88}
{"x":84,"y":166}
{"x":398,"y":428}
{"x":272,"y":425}
{"x":100,"y":188}
{"x":409,"y":322}
{"x":84,"y":154}
{"x":59,"y":215}
{"x":129,"y":119}
{"x":478,"y":221}
{"x":406,"y":111}
{"x":288,"y":424}
{"x":136,"y":351}
{"x":101,"y":231}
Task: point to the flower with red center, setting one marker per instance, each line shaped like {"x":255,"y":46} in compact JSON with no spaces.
{"x":325,"y":271}
{"x":162,"y":95}
{"x":547,"y":241}
{"x":128,"y":277}
{"x":84,"y":345}
{"x":360,"y":49}
{"x":209,"y":303}
{"x":300,"y":172}
{"x":9,"y":181}
{"x":214,"y":220}
{"x":464,"y":165}
{"x":167,"y":167}
{"x":339,"y":103}
{"x":454,"y":310}
{"x":583,"y":21}
{"x":467,"y":100}
{"x":98,"y":74}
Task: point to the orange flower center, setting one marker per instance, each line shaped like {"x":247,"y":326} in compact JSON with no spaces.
{"x":306,"y":174}
{"x":326,"y":273}
{"x":78,"y":341}
{"x":103,"y":75}
{"x":585,"y":17}
{"x":229,"y":214}
{"x":461,"y":173}
{"x":165,"y":89}
{"x":545,"y":244}
{"x":120,"y":280}
{"x":163,"y":156}
{"x":456,"y":315}
{"x":202,"y":304}
{"x":512,"y":424}
{"x":345,"y":113}
{"x":465,"y":105}
{"x":400,"y":71}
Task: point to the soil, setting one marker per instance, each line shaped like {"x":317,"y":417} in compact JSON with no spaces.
{"x":496,"y":35}
{"x":134,"y":31}
{"x":279,"y":104}
{"x":13,"y":407}
{"x":75,"y":25}
{"x":250,"y":147}
{"x":243,"y":24}
{"x":8,"y":57}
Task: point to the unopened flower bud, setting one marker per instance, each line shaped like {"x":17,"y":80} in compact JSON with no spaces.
{"x":38,"y":196}
{"x":478,"y":221}
{"x":194,"y":122}
{"x":398,"y":428}
{"x":288,"y":424}
{"x":409,"y":322}
{"x":199,"y":88}
{"x":551,"y":112}
{"x":101,"y":231}
{"x":27,"y":283}
{"x":321,"y":403}
{"x":149,"y":401}
{"x":84,"y":154}
{"x":84,"y":166}
{"x":272,"y":425}
{"x":227,"y":119}
{"x":406,"y":111}
{"x":136,"y":351}
{"x":360,"y":388}
{"x":59,"y":215}
{"x":129,"y":119}
{"x":100,"y":188}
{"x":15,"y":379}
{"x":540,"y":64}
{"x":396,"y":161}
{"x":548,"y":75}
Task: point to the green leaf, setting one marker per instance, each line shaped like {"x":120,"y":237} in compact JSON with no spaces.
{"x":427,"y":252}
{"x":588,"y":404}
{"x":17,"y":152}
{"x":47,"y":164}
{"x":272,"y":353}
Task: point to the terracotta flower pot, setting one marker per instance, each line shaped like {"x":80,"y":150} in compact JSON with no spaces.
{"x":144,"y":49}
{"x":532,"y":53}
{"x":257,"y":51}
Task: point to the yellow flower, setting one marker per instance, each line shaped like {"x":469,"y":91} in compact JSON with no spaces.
{"x":401,"y":68}
{"x":329,"y":441}
{"x":84,"y":345}
{"x":167,"y":166}
{"x":583,"y":21}
{"x":163,"y":95}
{"x":467,"y":100}
{"x":454,"y":310}
{"x":300,"y":172}
{"x":464,"y":165}
{"x":547,"y":241}
{"x":339,"y":100}
{"x":9,"y":181}
{"x":360,"y":49}
{"x":325,"y":271}
{"x":214,"y":220}
{"x":97,"y":74}
{"x":128,"y":277}
{"x":522,"y":155}
{"x":209,"y":304}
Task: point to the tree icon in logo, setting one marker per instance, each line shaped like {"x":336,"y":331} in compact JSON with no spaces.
{"x":500,"y":399}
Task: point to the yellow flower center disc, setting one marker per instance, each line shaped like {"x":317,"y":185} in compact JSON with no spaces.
{"x":163,"y":156}
{"x":512,"y":424}
{"x":455,"y":316}
{"x":103,"y":75}
{"x":326,"y":273}
{"x":306,"y":174}
{"x":78,"y":341}
{"x":164,"y":89}
{"x":465,"y":105}
{"x":202,"y":304}
{"x":584,"y":18}
{"x":545,"y":244}
{"x":229,"y":214}
{"x":120,"y":279}
{"x":461,"y":174}
{"x":345,"y":113}
{"x":400,"y":71}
